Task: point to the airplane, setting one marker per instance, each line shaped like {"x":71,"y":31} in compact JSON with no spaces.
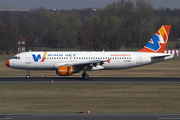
{"x":67,"y":63}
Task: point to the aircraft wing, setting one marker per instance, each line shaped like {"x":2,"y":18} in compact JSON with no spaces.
{"x":86,"y":63}
{"x":89,"y":65}
{"x":92,"y":62}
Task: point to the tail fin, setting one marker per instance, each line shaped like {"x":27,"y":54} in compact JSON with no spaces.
{"x":158,"y":42}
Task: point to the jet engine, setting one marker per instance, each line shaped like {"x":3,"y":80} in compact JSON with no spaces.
{"x":65,"y":70}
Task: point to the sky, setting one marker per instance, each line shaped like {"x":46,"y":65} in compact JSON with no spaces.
{"x":76,"y":4}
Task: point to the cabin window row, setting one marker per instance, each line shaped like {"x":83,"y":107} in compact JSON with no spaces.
{"x":98,"y":58}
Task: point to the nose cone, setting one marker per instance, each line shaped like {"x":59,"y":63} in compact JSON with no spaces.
{"x":7,"y":63}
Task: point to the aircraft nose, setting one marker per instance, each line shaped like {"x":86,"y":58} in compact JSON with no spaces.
{"x":7,"y":63}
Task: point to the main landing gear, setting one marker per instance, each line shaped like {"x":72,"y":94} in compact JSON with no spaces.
{"x":85,"y":75}
{"x":28,"y":75}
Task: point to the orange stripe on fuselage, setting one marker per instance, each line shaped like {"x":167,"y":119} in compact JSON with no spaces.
{"x":44,"y":56}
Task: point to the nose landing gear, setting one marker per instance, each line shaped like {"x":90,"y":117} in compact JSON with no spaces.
{"x":28,"y":75}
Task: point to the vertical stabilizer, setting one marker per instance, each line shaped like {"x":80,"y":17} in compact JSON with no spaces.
{"x":157,"y":44}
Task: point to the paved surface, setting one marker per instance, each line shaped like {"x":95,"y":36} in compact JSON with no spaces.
{"x":95,"y":80}
{"x":92,"y":80}
{"x":91,"y":117}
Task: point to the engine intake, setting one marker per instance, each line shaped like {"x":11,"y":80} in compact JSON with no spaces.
{"x":65,"y":70}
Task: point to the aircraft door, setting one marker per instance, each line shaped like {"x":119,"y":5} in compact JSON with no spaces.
{"x":138,"y":59}
{"x":28,"y":58}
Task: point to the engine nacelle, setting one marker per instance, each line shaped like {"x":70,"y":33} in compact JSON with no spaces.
{"x":65,"y":70}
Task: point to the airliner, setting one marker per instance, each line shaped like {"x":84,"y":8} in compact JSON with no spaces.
{"x":67,"y":63}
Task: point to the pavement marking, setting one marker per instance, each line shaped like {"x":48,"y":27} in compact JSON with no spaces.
{"x":5,"y":118}
{"x":169,"y":118}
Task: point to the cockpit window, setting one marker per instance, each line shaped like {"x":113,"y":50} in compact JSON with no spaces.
{"x":16,"y":57}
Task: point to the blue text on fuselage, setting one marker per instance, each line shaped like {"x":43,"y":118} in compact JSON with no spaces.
{"x":36,"y":58}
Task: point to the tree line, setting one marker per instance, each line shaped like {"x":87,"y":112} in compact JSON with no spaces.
{"x":107,"y":28}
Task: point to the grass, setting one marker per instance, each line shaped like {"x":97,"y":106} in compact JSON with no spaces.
{"x":98,"y":98}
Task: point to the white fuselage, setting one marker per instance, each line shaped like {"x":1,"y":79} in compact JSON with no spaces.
{"x":118,"y":60}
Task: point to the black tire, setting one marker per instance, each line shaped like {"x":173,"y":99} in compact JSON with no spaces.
{"x":83,"y":75}
{"x":86,"y":76}
{"x":28,"y":76}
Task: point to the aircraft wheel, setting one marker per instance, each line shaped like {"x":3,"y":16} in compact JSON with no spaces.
{"x":28,"y":76}
{"x":85,"y":76}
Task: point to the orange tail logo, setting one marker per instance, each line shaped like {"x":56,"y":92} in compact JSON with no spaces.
{"x":158,"y":42}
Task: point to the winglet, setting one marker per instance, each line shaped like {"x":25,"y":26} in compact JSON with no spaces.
{"x":157,"y":44}
{"x":108,"y":60}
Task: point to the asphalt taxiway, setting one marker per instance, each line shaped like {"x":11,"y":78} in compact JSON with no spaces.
{"x":92,"y":80}
{"x":90,"y":117}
